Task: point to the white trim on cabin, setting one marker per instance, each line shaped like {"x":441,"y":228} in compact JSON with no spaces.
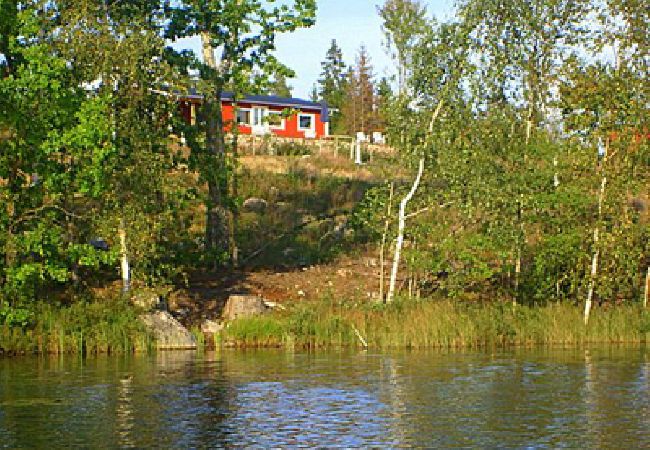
{"x":312,"y":121}
{"x":257,"y":117}
{"x":283,"y":123}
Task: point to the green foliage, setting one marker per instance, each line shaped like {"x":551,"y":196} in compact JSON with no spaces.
{"x":14,"y":316}
{"x":75,"y":159}
{"x":279,"y":86}
{"x":359,"y":109}
{"x":511,"y":198}
{"x":332,"y":84}
{"x":244,"y":32}
{"x":404,"y":23}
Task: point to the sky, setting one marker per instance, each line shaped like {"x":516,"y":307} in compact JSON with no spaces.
{"x":352,"y":23}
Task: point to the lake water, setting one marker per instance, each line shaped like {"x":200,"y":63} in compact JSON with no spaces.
{"x":577,"y":398}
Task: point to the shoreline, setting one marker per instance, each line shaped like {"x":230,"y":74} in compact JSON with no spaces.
{"x":114,"y":328}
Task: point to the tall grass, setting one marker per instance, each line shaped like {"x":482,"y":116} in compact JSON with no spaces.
{"x":421,"y":324}
{"x":82,"y":327}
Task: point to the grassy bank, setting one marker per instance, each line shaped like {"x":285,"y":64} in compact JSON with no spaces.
{"x":80,"y":327}
{"x":443,"y":324}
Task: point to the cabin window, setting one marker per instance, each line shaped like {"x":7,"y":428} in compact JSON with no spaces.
{"x":275,"y":120}
{"x":258,"y":116}
{"x":305,"y":121}
{"x":243,"y":116}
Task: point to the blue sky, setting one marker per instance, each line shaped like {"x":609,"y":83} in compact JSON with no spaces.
{"x":351,"y":23}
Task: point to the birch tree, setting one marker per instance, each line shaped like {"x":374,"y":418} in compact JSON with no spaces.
{"x":404,"y":24}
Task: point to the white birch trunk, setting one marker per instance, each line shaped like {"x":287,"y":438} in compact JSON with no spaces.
{"x":594,"y":271}
{"x":594,"y":259}
{"x":382,"y":273}
{"x":517,"y":274}
{"x":400,"y":232}
{"x":124,"y":258}
{"x":647,"y":286}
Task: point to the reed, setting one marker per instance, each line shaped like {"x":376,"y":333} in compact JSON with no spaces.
{"x":83,"y":327}
{"x":446,"y":324}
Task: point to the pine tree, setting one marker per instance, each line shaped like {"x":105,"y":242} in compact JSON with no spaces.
{"x":332,"y":83}
{"x":349,"y":113}
{"x":279,"y":86}
{"x":384,"y":95}
{"x":313,"y":94}
{"x":359,"y":109}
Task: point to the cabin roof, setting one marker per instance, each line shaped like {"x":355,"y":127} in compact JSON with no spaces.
{"x":274,"y":100}
{"x":271,"y":100}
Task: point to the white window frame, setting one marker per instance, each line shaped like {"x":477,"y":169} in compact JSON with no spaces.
{"x":282,"y":125}
{"x":258,"y":113}
{"x":313,"y":122}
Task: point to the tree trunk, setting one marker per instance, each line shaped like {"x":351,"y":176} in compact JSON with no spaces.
{"x":216,"y":233}
{"x":207,"y":50}
{"x":124,"y":257}
{"x":234,"y":216}
{"x":517,"y":274}
{"x":216,"y":224}
{"x":647,"y":286}
{"x":12,"y":213}
{"x":382,"y":248}
{"x":400,"y":232}
{"x":594,"y":259}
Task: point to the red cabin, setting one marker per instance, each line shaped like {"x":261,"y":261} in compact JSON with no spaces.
{"x":263,"y":114}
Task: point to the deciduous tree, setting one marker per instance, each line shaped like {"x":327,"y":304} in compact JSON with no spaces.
{"x":242,"y":34}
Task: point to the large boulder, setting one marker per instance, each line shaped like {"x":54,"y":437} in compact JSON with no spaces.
{"x":168,"y":332}
{"x":243,"y":306}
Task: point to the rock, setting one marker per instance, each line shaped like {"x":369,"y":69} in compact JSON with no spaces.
{"x":243,"y":306}
{"x":148,"y":300}
{"x":211,"y":326}
{"x":256,"y":205}
{"x":168,"y":332}
{"x":639,"y":204}
{"x":274,"y":305}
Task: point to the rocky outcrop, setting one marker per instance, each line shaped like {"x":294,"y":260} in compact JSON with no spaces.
{"x":169,"y":333}
{"x":239,"y":306}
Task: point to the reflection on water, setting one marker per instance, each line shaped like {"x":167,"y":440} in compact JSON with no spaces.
{"x":544,"y":398}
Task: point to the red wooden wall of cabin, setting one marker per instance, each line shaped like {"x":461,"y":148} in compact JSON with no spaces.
{"x":290,"y":127}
